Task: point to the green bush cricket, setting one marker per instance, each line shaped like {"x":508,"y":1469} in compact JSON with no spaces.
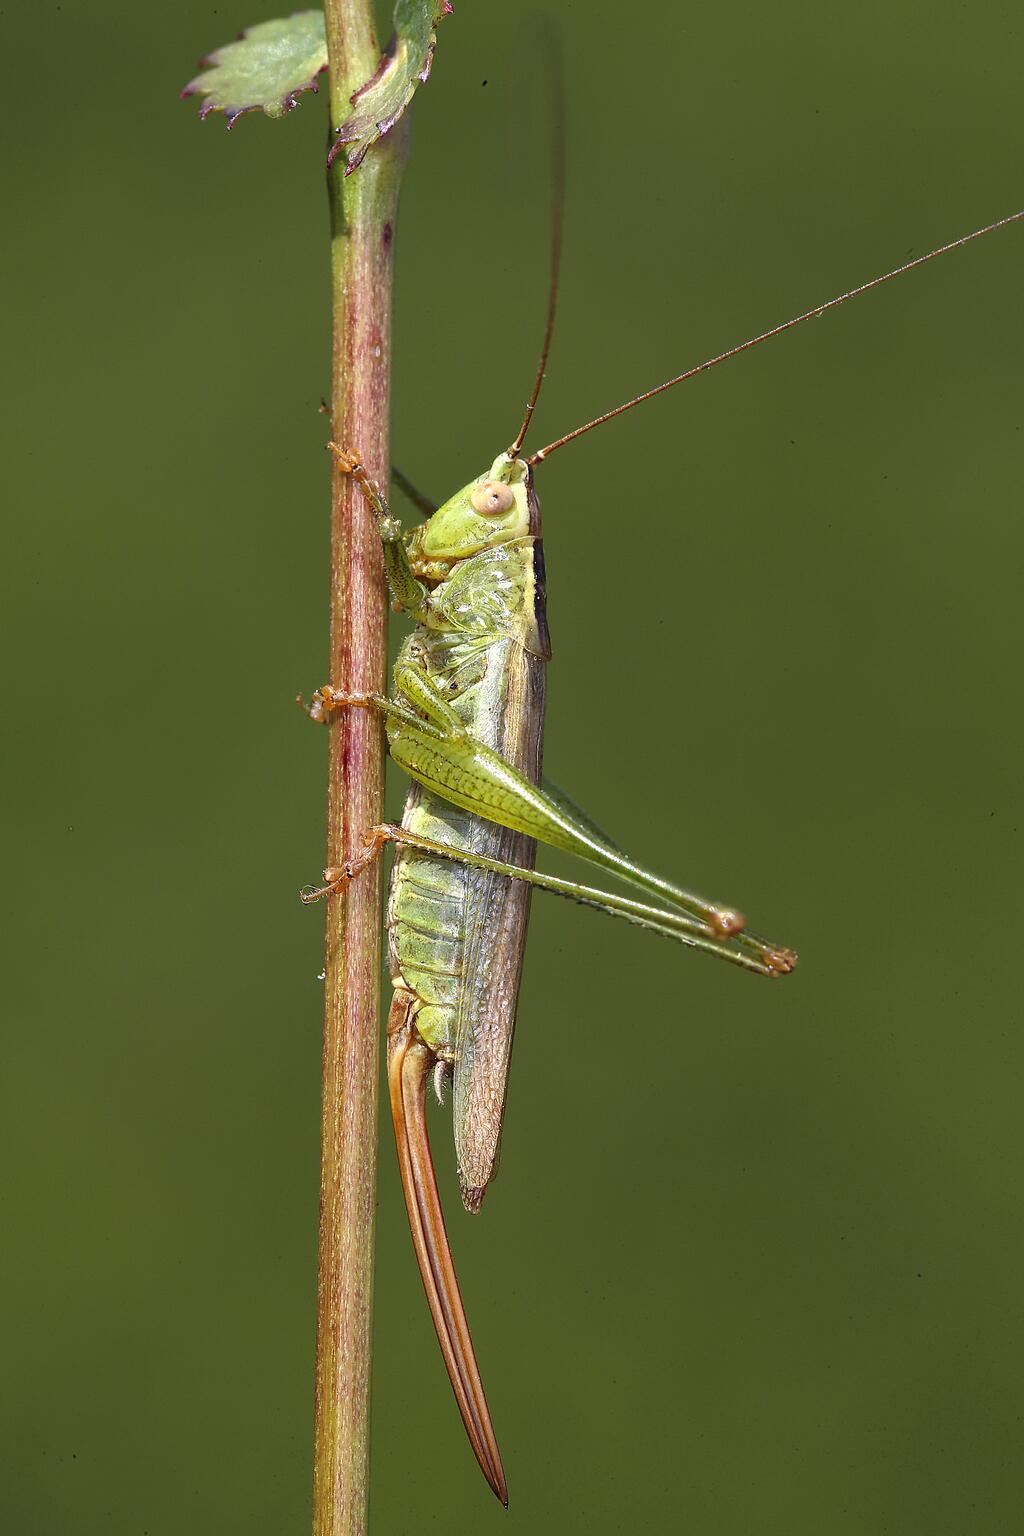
{"x":466,"y":723}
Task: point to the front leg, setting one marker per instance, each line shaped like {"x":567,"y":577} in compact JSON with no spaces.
{"x":408,"y":593}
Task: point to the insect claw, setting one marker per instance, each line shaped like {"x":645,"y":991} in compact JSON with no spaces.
{"x":335,"y":877}
{"x":315,"y":709}
{"x":347,"y":461}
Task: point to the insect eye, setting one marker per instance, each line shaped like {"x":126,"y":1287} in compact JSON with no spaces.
{"x":493,"y":497}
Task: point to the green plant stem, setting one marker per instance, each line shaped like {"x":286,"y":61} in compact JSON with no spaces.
{"x":363,"y":208}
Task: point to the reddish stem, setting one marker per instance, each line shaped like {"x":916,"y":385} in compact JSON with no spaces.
{"x":363,"y":208}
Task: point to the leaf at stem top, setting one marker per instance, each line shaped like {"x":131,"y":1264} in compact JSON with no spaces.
{"x":266,"y":70}
{"x":405,"y":64}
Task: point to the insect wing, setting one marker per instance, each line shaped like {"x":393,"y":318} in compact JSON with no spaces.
{"x":497,"y":913}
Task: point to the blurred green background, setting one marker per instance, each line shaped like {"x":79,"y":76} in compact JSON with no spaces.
{"x":753,"y":1261}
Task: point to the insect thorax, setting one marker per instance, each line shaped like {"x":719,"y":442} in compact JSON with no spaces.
{"x":492,"y":597}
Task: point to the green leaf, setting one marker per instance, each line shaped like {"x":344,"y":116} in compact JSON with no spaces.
{"x":266,"y":70}
{"x":406,"y":64}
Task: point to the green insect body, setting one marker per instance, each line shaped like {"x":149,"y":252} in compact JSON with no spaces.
{"x":466,"y":723}
{"x":457,"y":933}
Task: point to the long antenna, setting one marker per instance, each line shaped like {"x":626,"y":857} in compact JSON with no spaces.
{"x":776,"y":330}
{"x":556,"y":88}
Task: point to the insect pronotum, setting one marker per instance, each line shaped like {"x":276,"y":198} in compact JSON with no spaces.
{"x":465,"y":721}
